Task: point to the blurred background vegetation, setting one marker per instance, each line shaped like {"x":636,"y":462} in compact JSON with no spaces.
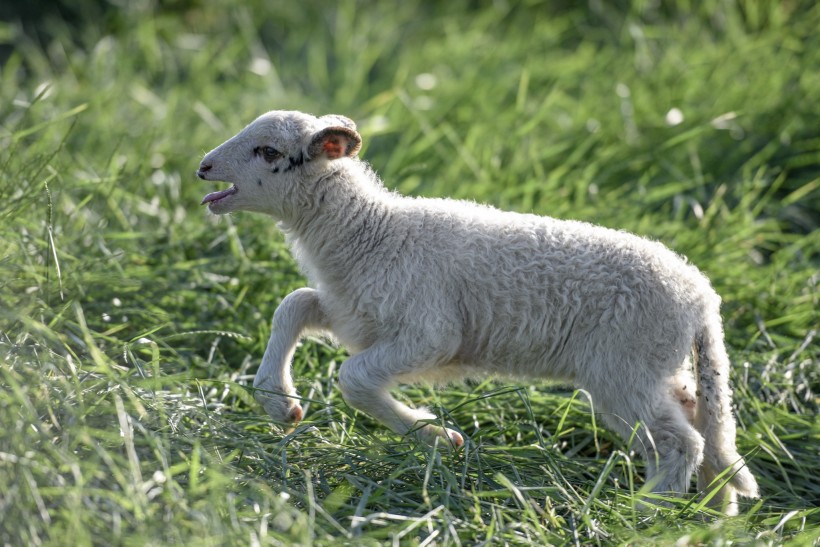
{"x":130,"y":320}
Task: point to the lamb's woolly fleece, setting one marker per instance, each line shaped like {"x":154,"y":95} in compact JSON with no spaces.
{"x":436,"y":289}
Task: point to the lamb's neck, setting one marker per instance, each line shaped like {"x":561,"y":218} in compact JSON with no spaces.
{"x":346,"y":222}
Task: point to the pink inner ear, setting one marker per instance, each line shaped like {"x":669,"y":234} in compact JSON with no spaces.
{"x":333,"y":148}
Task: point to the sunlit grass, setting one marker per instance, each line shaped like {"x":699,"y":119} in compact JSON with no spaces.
{"x":131,"y":323}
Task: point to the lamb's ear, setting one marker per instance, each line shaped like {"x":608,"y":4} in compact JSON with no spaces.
{"x":334,"y":142}
{"x":337,"y":119}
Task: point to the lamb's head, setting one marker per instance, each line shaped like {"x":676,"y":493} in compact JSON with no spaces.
{"x":272,"y":162}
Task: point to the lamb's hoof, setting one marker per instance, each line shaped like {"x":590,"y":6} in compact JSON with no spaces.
{"x":280,"y":408}
{"x":455,"y":438}
{"x":295,"y":415}
{"x":429,"y":433}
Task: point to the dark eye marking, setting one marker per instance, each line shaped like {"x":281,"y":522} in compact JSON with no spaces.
{"x":269,"y":153}
{"x":296,"y":161}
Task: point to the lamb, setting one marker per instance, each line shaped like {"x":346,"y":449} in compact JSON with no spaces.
{"x":437,"y":290}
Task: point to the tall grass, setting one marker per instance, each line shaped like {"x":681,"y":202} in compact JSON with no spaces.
{"x":131,"y":323}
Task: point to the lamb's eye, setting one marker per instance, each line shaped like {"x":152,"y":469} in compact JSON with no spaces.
{"x":269,"y":153}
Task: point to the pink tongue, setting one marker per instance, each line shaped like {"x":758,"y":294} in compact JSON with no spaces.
{"x":213,"y":196}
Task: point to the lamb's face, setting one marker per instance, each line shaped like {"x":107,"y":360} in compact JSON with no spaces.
{"x":273,"y":159}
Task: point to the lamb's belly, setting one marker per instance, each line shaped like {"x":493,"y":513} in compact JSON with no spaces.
{"x":507,"y":367}
{"x":523,"y":357}
{"x":445,"y":373}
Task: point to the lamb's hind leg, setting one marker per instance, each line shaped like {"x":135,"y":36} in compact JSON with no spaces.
{"x":673,"y":449}
{"x":678,"y":447}
{"x":298,"y":312}
{"x":365,"y":380}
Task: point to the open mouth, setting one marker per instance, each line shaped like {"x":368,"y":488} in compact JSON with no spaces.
{"x":214,"y":197}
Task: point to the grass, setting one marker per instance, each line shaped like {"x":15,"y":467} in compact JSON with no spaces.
{"x":131,"y":322}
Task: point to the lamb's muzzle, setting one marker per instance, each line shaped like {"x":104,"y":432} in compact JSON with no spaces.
{"x":435,"y":290}
{"x":203,"y":168}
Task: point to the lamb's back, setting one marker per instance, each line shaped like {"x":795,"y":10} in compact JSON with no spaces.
{"x":530,"y":287}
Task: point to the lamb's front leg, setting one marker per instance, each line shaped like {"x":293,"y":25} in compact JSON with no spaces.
{"x":365,"y":380}
{"x":299,"y":312}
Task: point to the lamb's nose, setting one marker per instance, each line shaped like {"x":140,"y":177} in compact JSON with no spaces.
{"x":203,"y":168}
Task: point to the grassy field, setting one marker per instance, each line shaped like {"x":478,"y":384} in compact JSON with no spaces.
{"x":131,"y":322}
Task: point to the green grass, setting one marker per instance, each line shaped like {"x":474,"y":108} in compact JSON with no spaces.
{"x":131,"y":322}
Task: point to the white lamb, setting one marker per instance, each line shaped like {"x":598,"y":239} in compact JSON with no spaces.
{"x":436,"y":290}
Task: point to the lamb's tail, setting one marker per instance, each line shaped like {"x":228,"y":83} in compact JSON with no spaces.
{"x":714,"y":419}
